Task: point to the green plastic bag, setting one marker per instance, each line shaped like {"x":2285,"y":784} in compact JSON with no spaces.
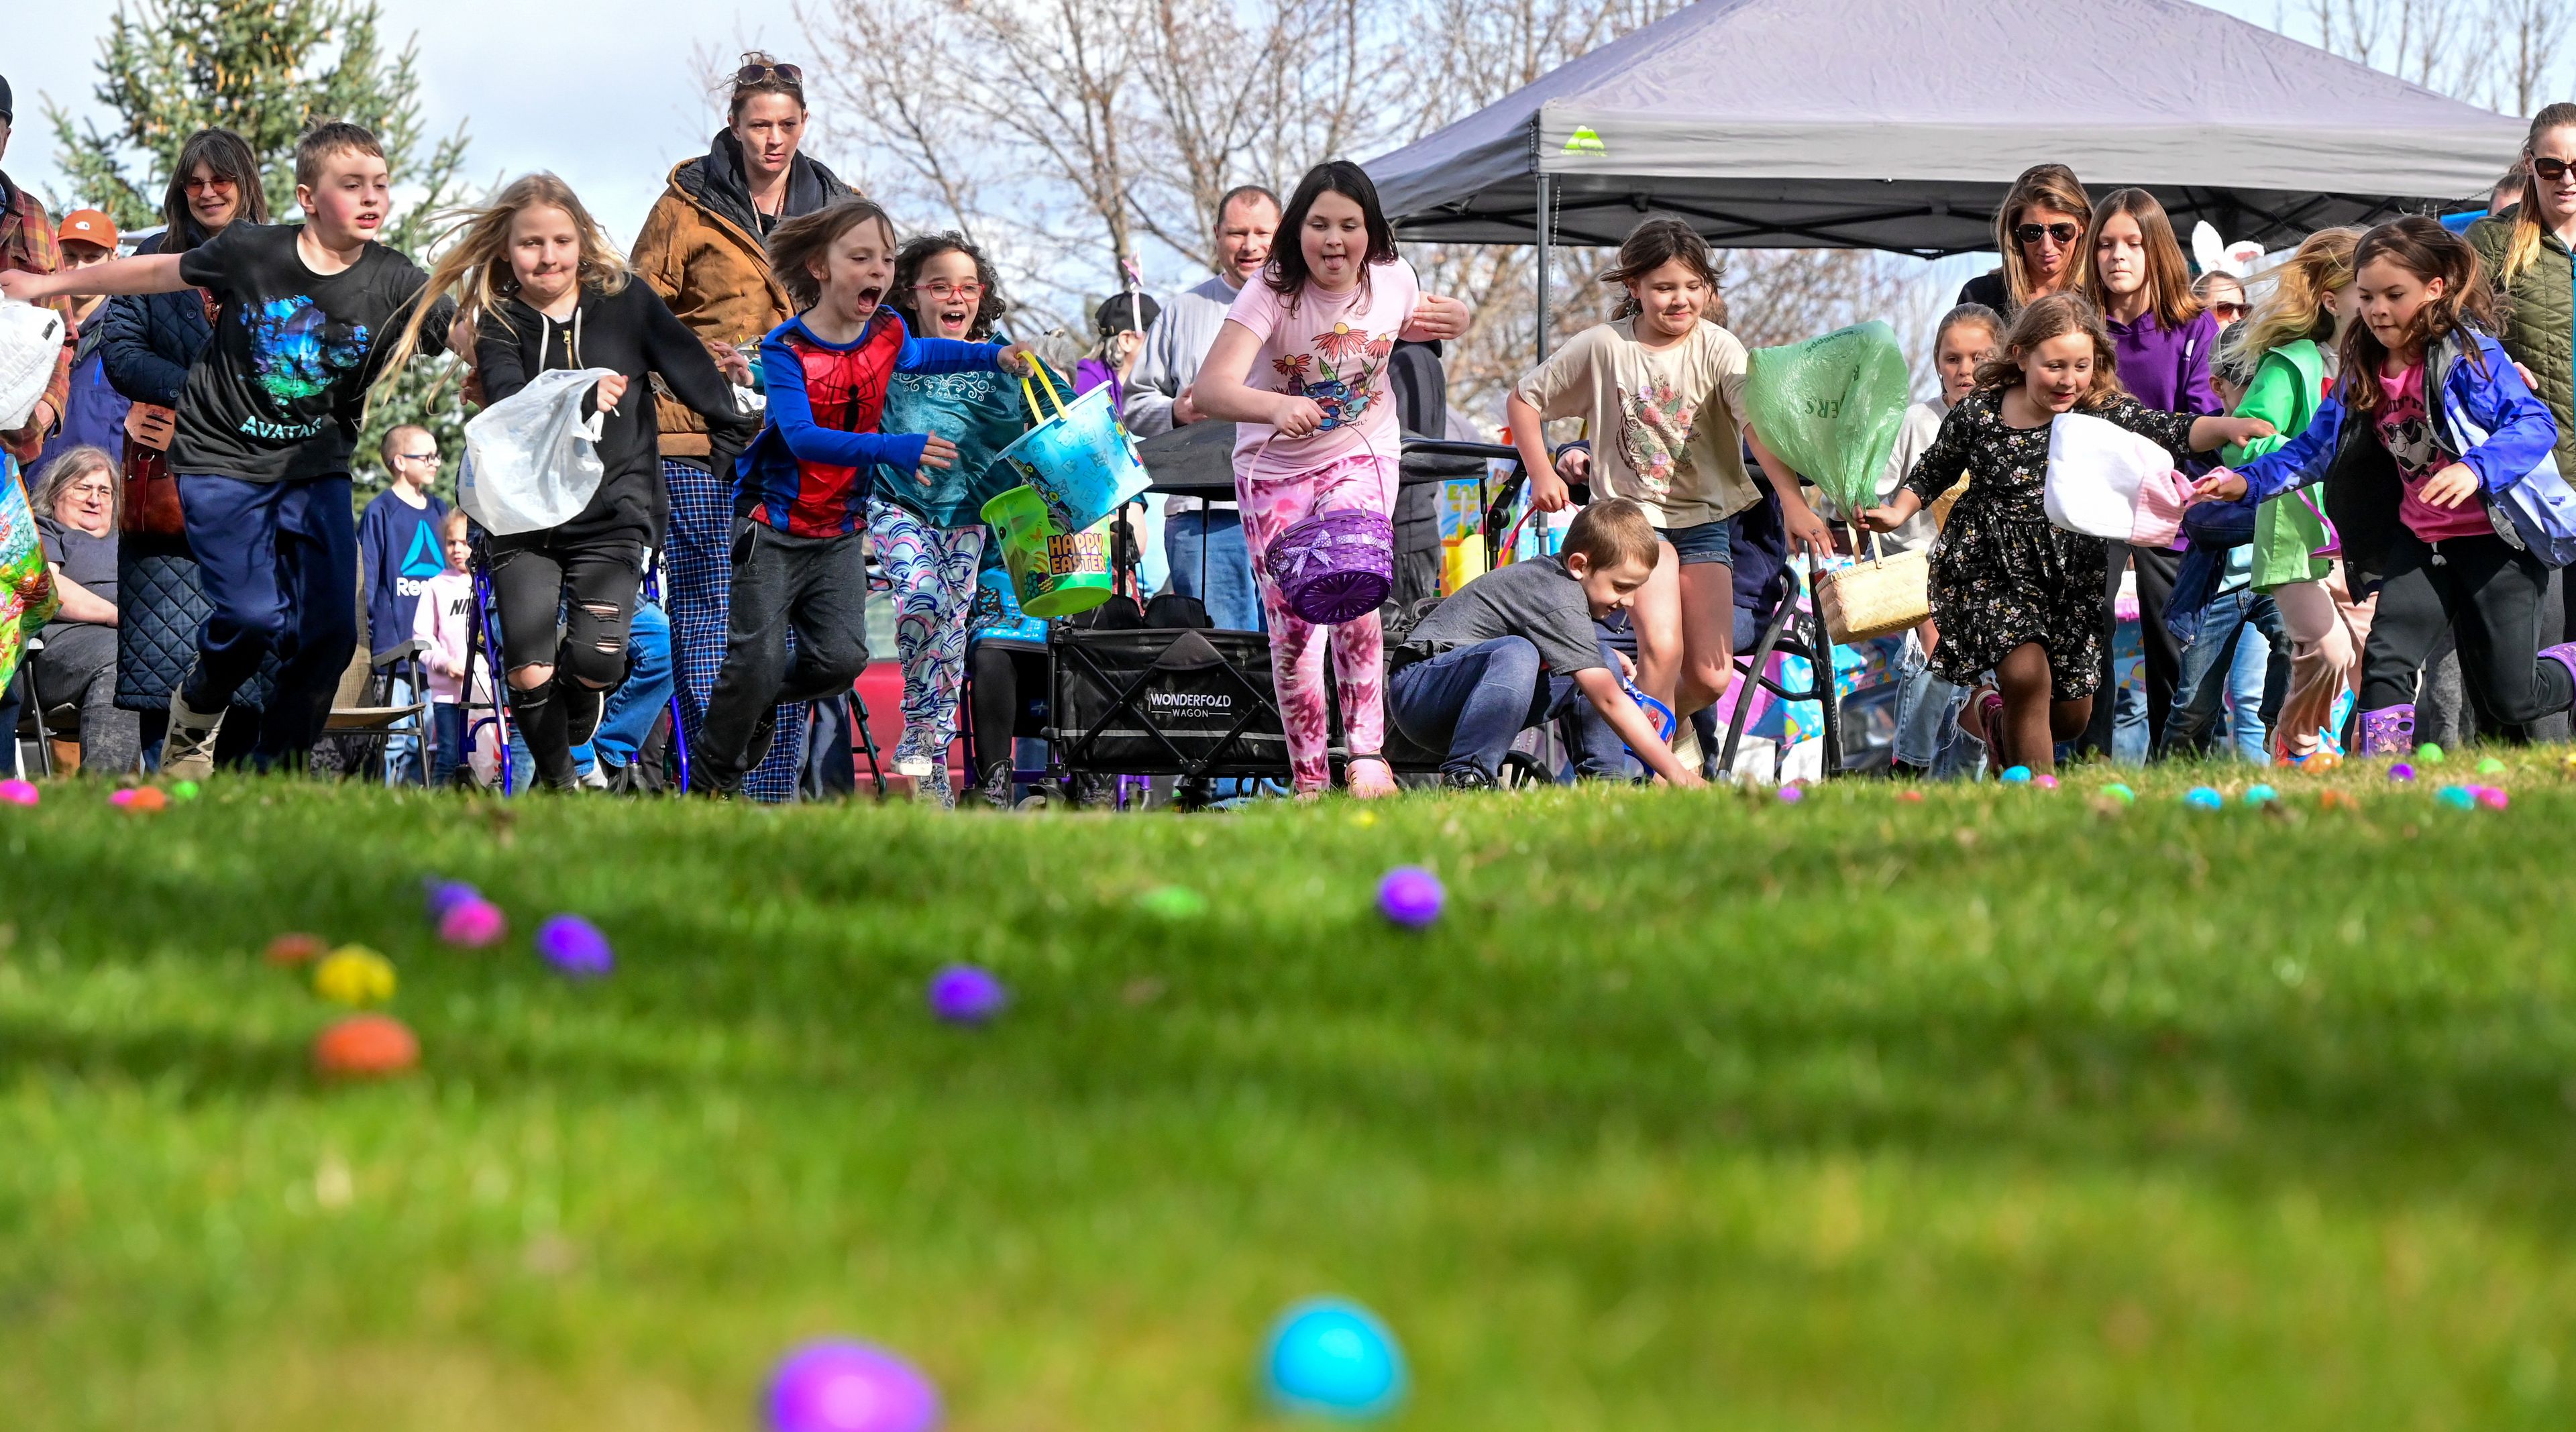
{"x":1831,"y":407}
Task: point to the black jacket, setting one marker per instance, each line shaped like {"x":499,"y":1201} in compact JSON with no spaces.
{"x":633,"y":332}
{"x":148,"y":340}
{"x":1988,"y":288}
{"x":716,"y":181}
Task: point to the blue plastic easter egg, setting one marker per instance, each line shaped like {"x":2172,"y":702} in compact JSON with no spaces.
{"x":1334,"y":1359}
{"x":2203,"y":798}
{"x":2260,"y":794}
{"x":2457,"y":797}
{"x":2015,"y":775}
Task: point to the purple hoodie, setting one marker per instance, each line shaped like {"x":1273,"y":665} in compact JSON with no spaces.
{"x":2167,"y":369}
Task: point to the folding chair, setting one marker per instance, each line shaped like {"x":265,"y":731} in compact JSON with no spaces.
{"x":1793,"y":629}
{"x":482,"y":641}
{"x":32,"y":722}
{"x":356,"y":714}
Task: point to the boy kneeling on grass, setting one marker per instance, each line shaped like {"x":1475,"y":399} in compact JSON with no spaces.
{"x":1514,"y":646}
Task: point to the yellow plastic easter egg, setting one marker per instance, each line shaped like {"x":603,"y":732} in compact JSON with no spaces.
{"x":354,"y":975}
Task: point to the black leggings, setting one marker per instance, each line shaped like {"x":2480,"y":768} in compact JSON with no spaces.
{"x":1007,"y":698}
{"x":2490,"y":594}
{"x":564,"y":602}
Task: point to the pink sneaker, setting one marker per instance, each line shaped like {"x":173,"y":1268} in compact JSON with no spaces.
{"x":1370,"y":777}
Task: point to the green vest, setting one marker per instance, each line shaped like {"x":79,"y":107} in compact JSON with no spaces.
{"x":2287,"y":387}
{"x":2538,"y":313}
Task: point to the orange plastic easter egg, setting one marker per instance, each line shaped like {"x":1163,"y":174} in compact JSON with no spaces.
{"x":295,"y":947}
{"x":365,"y":1046}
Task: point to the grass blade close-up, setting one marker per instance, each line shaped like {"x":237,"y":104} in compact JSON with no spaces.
{"x":1997,"y":1109}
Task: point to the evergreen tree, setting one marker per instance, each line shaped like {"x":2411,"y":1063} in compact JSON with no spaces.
{"x":268,"y":70}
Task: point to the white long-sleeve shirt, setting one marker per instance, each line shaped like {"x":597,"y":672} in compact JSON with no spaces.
{"x":1175,"y":348}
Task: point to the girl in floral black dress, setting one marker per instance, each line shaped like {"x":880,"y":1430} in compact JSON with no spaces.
{"x":2011,"y":593}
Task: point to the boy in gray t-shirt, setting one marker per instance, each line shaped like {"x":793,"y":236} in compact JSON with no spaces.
{"x":1515,"y":647}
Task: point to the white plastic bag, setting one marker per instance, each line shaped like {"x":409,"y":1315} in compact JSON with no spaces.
{"x":531,"y":460}
{"x":2106,"y":481}
{"x":31,"y":343}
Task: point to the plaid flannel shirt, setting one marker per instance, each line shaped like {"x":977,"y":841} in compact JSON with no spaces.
{"x":27,"y":242}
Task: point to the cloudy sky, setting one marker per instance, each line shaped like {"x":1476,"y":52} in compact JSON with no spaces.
{"x":612,"y":114}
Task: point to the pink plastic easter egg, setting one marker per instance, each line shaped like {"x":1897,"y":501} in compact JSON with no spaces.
{"x":473,"y":924}
{"x":16,"y":792}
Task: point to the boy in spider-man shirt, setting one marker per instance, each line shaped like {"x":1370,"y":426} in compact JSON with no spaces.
{"x":801,"y":489}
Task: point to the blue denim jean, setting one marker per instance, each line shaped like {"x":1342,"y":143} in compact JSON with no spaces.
{"x":1928,"y":737}
{"x":2222,"y":676}
{"x":638,"y":701}
{"x":402,"y":749}
{"x":1471,"y":701}
{"x":1233,"y":601}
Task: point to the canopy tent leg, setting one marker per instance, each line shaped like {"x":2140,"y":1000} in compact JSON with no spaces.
{"x":1546,"y":255}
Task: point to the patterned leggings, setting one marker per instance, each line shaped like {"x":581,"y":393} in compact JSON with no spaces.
{"x":698,"y":592}
{"x":934,"y":587}
{"x":1270,"y":507}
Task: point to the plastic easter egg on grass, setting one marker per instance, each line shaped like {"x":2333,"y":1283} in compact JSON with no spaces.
{"x":2319,"y":760}
{"x":2203,"y":798}
{"x":473,"y":924}
{"x":2492,"y":797}
{"x":2430,"y":754}
{"x":2401,"y":772}
{"x":1792,"y":793}
{"x":1175,"y":902}
{"x":354,"y":975}
{"x":142,"y":800}
{"x":2119,"y":791}
{"x":2259,"y":794}
{"x":18,"y":793}
{"x":2044,"y":782}
{"x":2491,"y":767}
{"x":2457,"y":797}
{"x":575,"y":947}
{"x":2015,"y":775}
{"x":295,"y":947}
{"x":183,"y":790}
{"x":963,"y":994}
{"x":849,"y":1387}
{"x":2338,"y":800}
{"x":440,"y":896}
{"x":1910,"y":797}
{"x":1333,"y":1359}
{"x":365,"y":1046}
{"x":1411,"y":896}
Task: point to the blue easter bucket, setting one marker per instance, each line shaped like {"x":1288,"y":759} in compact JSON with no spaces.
{"x":1080,"y":460}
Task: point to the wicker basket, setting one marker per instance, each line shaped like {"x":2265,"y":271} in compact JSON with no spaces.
{"x":1879,"y":597}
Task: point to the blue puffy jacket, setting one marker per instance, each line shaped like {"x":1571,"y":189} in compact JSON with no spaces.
{"x":149,"y":340}
{"x":2487,"y":420}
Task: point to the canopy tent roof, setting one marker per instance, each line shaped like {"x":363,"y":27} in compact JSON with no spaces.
{"x":1899,"y":124}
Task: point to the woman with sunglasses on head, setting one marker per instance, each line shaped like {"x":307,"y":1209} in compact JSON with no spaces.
{"x":2527,"y":248}
{"x":2039,"y":230}
{"x":147,"y":342}
{"x":702,"y":250}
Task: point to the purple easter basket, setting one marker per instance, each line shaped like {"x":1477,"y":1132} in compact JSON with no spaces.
{"x":1335,"y":566}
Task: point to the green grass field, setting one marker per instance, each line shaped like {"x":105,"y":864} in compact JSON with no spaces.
{"x":1998,"y":1111}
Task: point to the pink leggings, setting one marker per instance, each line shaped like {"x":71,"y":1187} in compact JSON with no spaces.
{"x":1271,"y":506}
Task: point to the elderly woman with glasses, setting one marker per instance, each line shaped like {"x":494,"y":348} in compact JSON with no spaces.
{"x":77,"y":506}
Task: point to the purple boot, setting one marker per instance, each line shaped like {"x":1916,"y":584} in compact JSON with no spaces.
{"x":2564,"y":654}
{"x":2388,"y":731}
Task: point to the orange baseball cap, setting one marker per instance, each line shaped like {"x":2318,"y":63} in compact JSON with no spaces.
{"x":90,"y":227}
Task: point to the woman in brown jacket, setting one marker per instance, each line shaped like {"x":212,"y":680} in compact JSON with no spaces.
{"x":702,"y":250}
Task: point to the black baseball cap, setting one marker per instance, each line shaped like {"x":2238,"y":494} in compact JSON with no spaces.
{"x":8,"y":109}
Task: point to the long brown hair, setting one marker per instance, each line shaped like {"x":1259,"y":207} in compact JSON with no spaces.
{"x":2300,"y":304}
{"x":1652,"y":244}
{"x":227,"y":156}
{"x":921,"y":249}
{"x":2055,"y":316}
{"x":2422,"y":247}
{"x":2525,"y":243}
{"x":2052,"y":186}
{"x":796,"y":244}
{"x":476,"y":266}
{"x":2169,"y":292}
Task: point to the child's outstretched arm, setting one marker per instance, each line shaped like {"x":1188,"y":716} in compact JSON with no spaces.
{"x":1806,"y":531}
{"x":955,"y":355}
{"x":152,"y":273}
{"x":1600,"y":686}
{"x":791,"y":411}
{"x":1221,"y":392}
{"x":2294,"y":464}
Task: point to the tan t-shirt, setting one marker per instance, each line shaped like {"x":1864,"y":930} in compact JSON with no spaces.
{"x":1663,"y":422}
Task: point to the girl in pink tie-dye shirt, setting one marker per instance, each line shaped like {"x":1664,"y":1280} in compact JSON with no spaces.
{"x":1300,"y":366}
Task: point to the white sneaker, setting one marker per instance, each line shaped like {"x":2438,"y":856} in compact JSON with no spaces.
{"x":188,"y":751}
{"x":929,"y":781}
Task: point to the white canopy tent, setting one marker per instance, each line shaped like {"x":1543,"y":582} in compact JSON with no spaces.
{"x":1899,"y":124}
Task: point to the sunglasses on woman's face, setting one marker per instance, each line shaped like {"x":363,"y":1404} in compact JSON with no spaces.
{"x":2228,"y":312}
{"x":2550,"y":171}
{"x":754,"y":74}
{"x":2029,"y":234}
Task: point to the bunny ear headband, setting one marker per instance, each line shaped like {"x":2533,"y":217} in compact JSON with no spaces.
{"x":2215,"y":255}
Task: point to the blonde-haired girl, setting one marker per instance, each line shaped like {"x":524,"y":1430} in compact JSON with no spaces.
{"x":2530,"y":248}
{"x":543,"y":288}
{"x":2284,"y":353}
{"x":2010,"y":592}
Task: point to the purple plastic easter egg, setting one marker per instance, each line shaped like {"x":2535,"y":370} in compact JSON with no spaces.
{"x":15,"y":792}
{"x":1792,"y":794}
{"x":2401,"y":772}
{"x":849,"y":1387}
{"x":575,"y":947}
{"x":963,"y":994}
{"x":474,"y":924}
{"x":441,"y":896}
{"x":1410,"y":896}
